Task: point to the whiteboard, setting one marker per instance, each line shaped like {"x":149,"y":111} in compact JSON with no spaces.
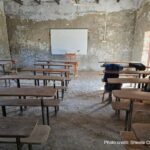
{"x":69,"y":41}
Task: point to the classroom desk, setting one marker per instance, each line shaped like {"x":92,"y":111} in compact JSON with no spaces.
{"x":128,"y":80}
{"x":131,"y":72}
{"x":118,"y":62}
{"x":30,"y":91}
{"x":142,"y":131}
{"x":66,"y":72}
{"x":20,"y":127}
{"x":66,"y":66}
{"x":72,"y":62}
{"x":35,"y":78}
{"x":132,"y":95}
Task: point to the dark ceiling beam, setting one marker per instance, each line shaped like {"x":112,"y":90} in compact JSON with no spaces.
{"x":19,"y":2}
{"x":97,"y":1}
{"x":57,"y":1}
{"x":77,"y":1}
{"x":38,"y":1}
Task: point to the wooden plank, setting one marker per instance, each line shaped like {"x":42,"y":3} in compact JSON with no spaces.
{"x":28,"y":102}
{"x":19,"y":2}
{"x":32,"y":77}
{"x":57,"y":1}
{"x":129,"y":72}
{"x":45,"y":70}
{"x":30,"y":91}
{"x":38,"y":1}
{"x":142,"y":131}
{"x":128,"y":80}
{"x":52,"y":64}
{"x":59,"y":61}
{"x":16,"y":126}
{"x":132,"y":94}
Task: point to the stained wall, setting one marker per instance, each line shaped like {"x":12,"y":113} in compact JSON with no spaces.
{"x":4,"y":45}
{"x":29,"y":29}
{"x":142,"y":25}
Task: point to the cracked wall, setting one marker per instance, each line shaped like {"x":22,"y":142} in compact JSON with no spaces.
{"x":29,"y":35}
{"x":4,"y":46}
{"x":142,"y":25}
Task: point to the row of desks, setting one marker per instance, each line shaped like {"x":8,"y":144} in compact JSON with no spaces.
{"x":141,"y":130}
{"x":21,"y":127}
{"x":74,"y":63}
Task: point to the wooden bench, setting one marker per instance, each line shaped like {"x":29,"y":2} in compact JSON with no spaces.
{"x":30,"y":103}
{"x":122,"y":106}
{"x":142,"y":116}
{"x":130,"y":136}
{"x":38,"y":136}
{"x":62,"y":89}
{"x":125,"y":106}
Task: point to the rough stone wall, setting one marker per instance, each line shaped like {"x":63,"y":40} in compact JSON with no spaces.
{"x":29,"y":35}
{"x":142,"y":25}
{"x":4,"y":46}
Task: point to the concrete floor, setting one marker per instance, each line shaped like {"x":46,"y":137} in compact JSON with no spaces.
{"x":83,"y":123}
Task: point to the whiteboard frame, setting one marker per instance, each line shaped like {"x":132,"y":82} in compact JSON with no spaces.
{"x":67,"y":29}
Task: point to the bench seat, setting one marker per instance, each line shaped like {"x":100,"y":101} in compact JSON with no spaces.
{"x":29,"y":102}
{"x":120,"y":105}
{"x":130,"y":136}
{"x":38,"y":136}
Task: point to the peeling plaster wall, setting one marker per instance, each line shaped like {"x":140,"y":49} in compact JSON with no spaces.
{"x":4,"y":46}
{"x":29,"y":25}
{"x":142,"y":25}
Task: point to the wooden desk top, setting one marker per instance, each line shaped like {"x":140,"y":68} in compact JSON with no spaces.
{"x":32,"y":77}
{"x":5,"y":59}
{"x":52,"y":64}
{"x":28,"y":91}
{"x":128,"y":80}
{"x":118,"y":62}
{"x":16,"y":127}
{"x":4,"y":62}
{"x":59,"y":61}
{"x":142,"y":131}
{"x":132,"y":94}
{"x":45,"y":70}
{"x":128,"y":72}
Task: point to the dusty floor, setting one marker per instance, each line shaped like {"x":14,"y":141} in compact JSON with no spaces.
{"x":83,"y":123}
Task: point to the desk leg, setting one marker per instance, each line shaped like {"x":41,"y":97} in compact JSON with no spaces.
{"x":18,"y":143}
{"x":3,"y":69}
{"x":29,"y":146}
{"x":44,"y":82}
{"x":4,"y":111}
{"x":62,"y":84}
{"x":47,"y":109}
{"x":126,"y":120}
{"x":38,"y":82}
{"x":21,"y":108}
{"x":75,"y":70}
{"x":42,"y":107}
{"x":18,"y":83}
{"x":130,"y":115}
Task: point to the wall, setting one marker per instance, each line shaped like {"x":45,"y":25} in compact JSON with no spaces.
{"x":4,"y":46}
{"x":29,"y":25}
{"x":142,"y":25}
